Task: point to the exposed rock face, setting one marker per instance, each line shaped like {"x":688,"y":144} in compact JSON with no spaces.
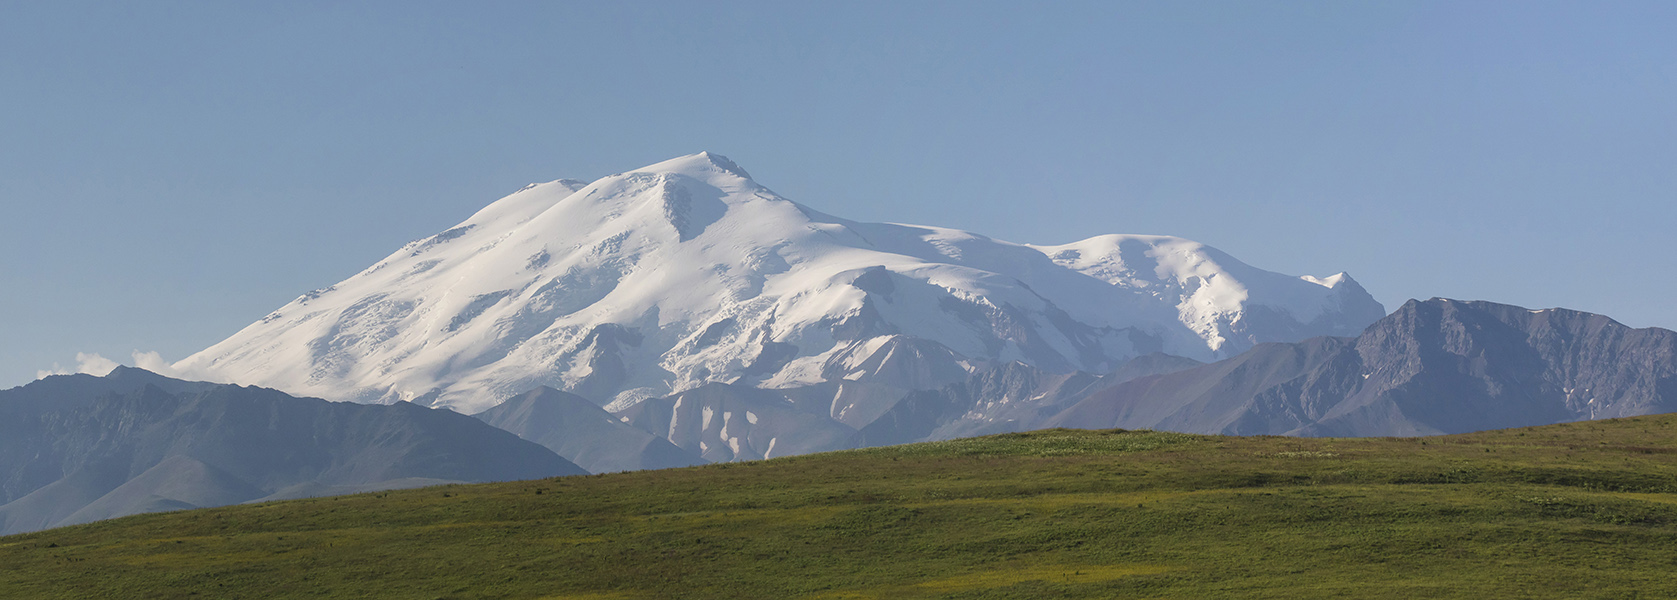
{"x":732,"y":422}
{"x":1439,"y":366}
{"x":723,"y":423}
{"x":1011,"y":397}
{"x":77,"y":448}
{"x":585,"y":434}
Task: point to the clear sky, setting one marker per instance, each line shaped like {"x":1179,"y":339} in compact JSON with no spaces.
{"x":172,"y":171}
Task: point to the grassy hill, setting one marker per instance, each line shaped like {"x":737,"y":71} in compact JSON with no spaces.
{"x":1564,"y":511}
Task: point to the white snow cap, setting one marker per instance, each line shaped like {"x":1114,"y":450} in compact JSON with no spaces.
{"x":687,"y":271}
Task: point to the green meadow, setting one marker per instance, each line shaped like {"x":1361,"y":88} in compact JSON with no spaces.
{"x":1579,"y":510}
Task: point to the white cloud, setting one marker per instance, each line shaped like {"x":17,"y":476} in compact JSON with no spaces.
{"x":89,"y":363}
{"x":154,"y":362}
{"x":98,"y":365}
{"x":94,"y":364}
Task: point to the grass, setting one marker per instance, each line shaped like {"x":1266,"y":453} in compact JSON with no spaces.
{"x":1564,"y":511}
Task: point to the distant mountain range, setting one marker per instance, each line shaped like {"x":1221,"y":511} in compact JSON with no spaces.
{"x":1438,"y":366}
{"x":701,"y":309}
{"x":682,"y":314}
{"x":78,"y":448}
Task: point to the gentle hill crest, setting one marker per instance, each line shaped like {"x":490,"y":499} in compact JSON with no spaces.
{"x":1562,"y":511}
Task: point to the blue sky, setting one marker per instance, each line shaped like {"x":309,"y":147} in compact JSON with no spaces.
{"x":172,"y":171}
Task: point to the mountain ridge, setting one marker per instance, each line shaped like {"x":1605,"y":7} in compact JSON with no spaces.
{"x":1431,"y":367}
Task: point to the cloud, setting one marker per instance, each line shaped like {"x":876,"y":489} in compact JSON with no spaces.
{"x":89,"y":363}
{"x":154,"y":362}
{"x":98,"y":365}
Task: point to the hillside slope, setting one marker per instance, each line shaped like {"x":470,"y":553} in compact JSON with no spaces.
{"x":1564,"y":511}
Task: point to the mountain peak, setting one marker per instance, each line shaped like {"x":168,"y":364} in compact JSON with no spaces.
{"x":1330,"y":281}
{"x":700,"y":165}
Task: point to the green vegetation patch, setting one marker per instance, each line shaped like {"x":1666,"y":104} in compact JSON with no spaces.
{"x":1566,"y":511}
{"x":1049,"y":442}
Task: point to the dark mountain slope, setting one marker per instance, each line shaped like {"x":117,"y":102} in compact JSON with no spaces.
{"x":1205,"y":398}
{"x":78,"y":448}
{"x":1439,"y":366}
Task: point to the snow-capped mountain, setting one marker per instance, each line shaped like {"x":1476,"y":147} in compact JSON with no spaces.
{"x":687,"y":272}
